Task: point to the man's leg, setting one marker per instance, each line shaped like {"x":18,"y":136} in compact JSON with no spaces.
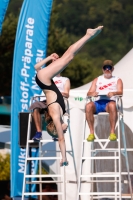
{"x":37,"y":120}
{"x":90,"y":110}
{"x":111,"y":109}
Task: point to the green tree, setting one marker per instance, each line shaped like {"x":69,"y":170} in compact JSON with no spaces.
{"x":14,"y":7}
{"x":58,"y":39}
{"x":116,"y":38}
{"x":7,"y":41}
{"x":5,"y":167}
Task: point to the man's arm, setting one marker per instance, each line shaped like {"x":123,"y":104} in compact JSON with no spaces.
{"x":92,"y":91}
{"x":66,"y":89}
{"x":52,"y":57}
{"x":119,"y":89}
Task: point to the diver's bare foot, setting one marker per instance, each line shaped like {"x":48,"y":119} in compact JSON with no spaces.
{"x":64,"y":127}
{"x":94,"y":32}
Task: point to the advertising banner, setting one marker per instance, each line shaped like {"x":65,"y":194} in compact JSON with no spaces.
{"x":3,"y":8}
{"x":30,"y":48}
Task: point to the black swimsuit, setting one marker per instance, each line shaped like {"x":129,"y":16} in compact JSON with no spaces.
{"x":54,"y":88}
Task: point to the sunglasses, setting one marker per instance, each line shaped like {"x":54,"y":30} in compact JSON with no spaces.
{"x":105,"y":67}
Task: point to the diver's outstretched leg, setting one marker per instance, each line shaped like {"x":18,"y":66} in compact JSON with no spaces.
{"x":60,"y":64}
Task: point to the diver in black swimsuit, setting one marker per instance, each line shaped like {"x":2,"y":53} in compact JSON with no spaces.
{"x":54,"y":102}
{"x":54,"y":88}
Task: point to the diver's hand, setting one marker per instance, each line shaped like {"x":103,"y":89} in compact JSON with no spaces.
{"x":54,"y":56}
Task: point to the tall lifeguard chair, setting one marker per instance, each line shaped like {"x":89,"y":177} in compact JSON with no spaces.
{"x":57,"y":178}
{"x":101,"y":149}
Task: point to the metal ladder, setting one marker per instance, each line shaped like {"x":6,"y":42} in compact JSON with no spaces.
{"x":111,"y":177}
{"x":61,"y":178}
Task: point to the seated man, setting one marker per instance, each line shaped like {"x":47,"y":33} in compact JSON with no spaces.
{"x":107,"y":86}
{"x":38,"y":107}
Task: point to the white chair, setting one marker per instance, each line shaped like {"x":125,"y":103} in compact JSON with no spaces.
{"x":59,"y":178}
{"x":95,"y":177}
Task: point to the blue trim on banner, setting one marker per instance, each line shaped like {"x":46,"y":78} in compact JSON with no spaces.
{"x":30,"y":48}
{"x":3,"y":8}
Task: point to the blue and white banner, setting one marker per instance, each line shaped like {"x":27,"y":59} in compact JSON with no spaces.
{"x":3,"y":8}
{"x":30,"y":48}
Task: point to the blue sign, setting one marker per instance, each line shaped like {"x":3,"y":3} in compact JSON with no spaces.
{"x":30,"y":48}
{"x":3,"y":8}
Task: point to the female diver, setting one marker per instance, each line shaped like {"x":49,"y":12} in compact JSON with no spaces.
{"x":55,"y":102}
